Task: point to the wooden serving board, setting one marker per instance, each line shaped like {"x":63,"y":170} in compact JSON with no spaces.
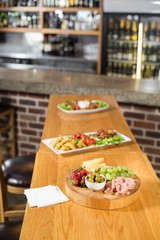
{"x":99,"y":199}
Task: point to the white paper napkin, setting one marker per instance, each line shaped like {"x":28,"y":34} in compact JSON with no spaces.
{"x":45,"y":196}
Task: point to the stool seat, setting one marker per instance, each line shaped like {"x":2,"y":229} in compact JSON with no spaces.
{"x":10,"y":230}
{"x":18,"y":170}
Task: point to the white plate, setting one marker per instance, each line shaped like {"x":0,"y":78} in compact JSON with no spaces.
{"x":83,"y":111}
{"x":48,"y":142}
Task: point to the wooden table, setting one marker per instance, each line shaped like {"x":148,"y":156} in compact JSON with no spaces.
{"x":69,"y":220}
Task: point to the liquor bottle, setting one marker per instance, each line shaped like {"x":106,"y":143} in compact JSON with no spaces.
{"x":115,"y":30}
{"x":110,"y":28}
{"x":51,"y":20}
{"x":120,"y":51}
{"x":128,"y":30}
{"x":156,"y":73}
{"x":56,"y":3}
{"x":134,"y":52}
{"x":91,"y":3}
{"x":129,"y":52}
{"x":120,"y":70}
{"x":85,"y":3}
{"x":133,"y":69}
{"x":153,"y":55}
{"x":124,"y":69}
{"x":76,"y":3}
{"x":96,"y":3}
{"x":24,"y":3}
{"x":134,"y":31}
{"x":158,"y":32}
{"x":52,"y":3}
{"x":146,"y":32}
{"x":80,"y":3}
{"x":152,"y":32}
{"x":124,"y":54}
{"x":109,"y":69}
{"x":122,"y":29}
{"x":115,"y":71}
{"x":147,"y":73}
{"x":71,"y":3}
{"x":115,"y":50}
{"x":3,"y":20}
{"x":146,"y":53}
{"x":47,"y":46}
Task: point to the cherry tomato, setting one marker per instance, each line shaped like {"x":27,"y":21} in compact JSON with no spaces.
{"x":90,"y":141}
{"x":83,"y":137}
{"x":74,"y":136}
{"x":78,"y":135}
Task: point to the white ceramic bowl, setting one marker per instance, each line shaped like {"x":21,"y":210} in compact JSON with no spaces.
{"x":95,"y":186}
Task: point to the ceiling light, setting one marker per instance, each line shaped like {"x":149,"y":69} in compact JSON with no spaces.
{"x":155,"y":2}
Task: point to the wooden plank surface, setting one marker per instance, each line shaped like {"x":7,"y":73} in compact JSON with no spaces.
{"x":70,"y":220}
{"x":58,"y":122}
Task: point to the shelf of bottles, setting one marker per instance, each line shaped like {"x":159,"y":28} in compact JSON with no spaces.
{"x":122,"y":42}
{"x":58,"y":45}
{"x":71,"y":3}
{"x":54,"y":19}
{"x":71,"y":15}
{"x":80,"y":21}
{"x":18,"y":3}
{"x":151,"y":48}
{"x":11,"y":20}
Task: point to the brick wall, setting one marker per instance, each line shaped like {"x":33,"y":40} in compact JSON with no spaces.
{"x":144,"y":122}
{"x":31,"y":110}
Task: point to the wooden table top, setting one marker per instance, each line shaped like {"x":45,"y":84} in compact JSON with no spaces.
{"x":69,"y":220}
{"x":58,"y":122}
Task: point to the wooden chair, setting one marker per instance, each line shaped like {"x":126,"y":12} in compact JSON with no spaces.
{"x":15,"y":176}
{"x":6,"y":211}
{"x":7,"y":129}
{"x":9,"y":230}
{"x":17,"y":173}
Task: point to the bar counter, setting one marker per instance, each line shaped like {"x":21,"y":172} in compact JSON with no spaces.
{"x":70,"y":220}
{"x":126,"y":90}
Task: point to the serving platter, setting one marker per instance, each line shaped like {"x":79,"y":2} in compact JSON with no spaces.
{"x":85,"y":111}
{"x":48,"y":142}
{"x":98,"y":199}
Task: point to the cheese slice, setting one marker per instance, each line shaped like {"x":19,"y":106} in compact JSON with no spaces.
{"x":92,"y":162}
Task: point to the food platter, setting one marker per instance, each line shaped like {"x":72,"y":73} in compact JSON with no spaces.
{"x":97,"y":185}
{"x":83,"y":109}
{"x":98,"y":199}
{"x":48,"y":143}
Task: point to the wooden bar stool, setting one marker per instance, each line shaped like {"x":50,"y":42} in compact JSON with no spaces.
{"x":6,"y":211}
{"x":18,"y":173}
{"x":9,"y":230}
{"x":7,"y":131}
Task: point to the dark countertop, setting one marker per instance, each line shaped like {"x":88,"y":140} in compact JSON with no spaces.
{"x":127,"y":90}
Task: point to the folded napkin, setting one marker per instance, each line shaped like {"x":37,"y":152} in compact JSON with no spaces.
{"x":45,"y":196}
